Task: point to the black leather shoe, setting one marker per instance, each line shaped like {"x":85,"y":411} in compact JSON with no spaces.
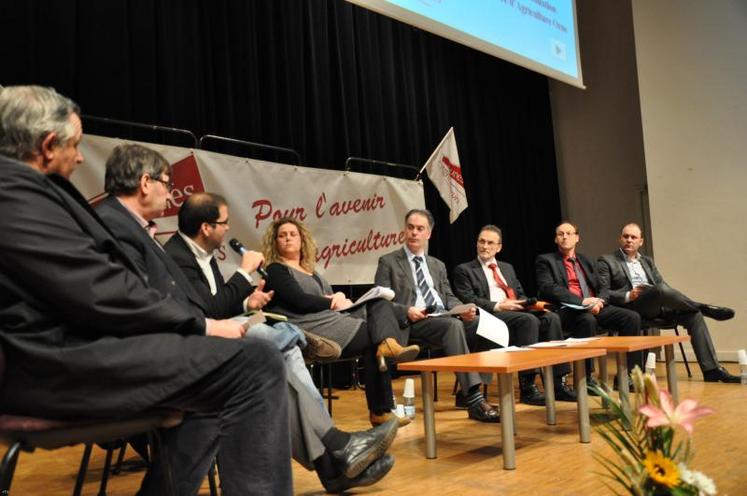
{"x":720,"y":374}
{"x":365,"y":447}
{"x":564,"y":393}
{"x":483,"y":412}
{"x":373,"y":474}
{"x":531,"y":395}
{"x":717,"y":313}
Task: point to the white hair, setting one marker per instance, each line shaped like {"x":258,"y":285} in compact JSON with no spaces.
{"x":28,"y":114}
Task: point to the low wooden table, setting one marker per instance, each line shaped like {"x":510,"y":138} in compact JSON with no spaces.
{"x":621,"y":346}
{"x":505,"y":364}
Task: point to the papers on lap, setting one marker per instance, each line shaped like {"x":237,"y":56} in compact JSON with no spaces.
{"x":372,"y":294}
{"x":492,"y":328}
{"x":258,"y":317}
{"x":575,"y":307}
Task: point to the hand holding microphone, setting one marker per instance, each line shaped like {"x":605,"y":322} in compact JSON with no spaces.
{"x":251,"y":260}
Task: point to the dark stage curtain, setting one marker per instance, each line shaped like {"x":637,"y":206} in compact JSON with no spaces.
{"x":324,"y":77}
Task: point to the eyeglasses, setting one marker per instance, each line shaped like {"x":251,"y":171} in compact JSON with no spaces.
{"x":220,"y":222}
{"x":169,"y":184}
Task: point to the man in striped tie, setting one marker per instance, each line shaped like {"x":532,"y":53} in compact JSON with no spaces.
{"x":421,"y":287}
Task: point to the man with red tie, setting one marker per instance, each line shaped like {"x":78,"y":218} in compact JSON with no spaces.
{"x":568,"y":279}
{"x":494,"y":287}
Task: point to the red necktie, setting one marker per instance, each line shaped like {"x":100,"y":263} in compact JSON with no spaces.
{"x":151,"y":229}
{"x":510,"y":293}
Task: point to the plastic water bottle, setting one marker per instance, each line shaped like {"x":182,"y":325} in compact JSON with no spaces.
{"x":409,"y":407}
{"x":408,"y":398}
{"x":742,"y":357}
{"x":651,"y":364}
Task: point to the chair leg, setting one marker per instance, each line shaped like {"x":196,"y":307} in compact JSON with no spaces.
{"x":82,"y":470}
{"x":8,"y":467}
{"x":120,"y":459}
{"x":329,"y":388}
{"x":435,"y":386}
{"x":105,"y":471}
{"x":684,"y":357}
{"x":356,"y":376}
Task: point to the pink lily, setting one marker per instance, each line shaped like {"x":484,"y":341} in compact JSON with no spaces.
{"x":684,"y":414}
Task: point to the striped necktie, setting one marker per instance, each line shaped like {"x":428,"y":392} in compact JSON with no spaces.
{"x":425,"y":290}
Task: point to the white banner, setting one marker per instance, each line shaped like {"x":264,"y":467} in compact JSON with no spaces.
{"x":355,"y":218}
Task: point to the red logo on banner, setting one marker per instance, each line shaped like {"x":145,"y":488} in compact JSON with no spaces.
{"x":187,"y":181}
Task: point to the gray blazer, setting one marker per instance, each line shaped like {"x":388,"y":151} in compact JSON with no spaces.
{"x":614,"y":275}
{"x":394,"y":271}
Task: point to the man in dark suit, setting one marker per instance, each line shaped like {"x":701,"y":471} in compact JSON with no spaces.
{"x":634,"y":282}
{"x":568,"y":279}
{"x":203,"y":224}
{"x":85,"y":336}
{"x":421,"y":286}
{"x":494,"y":287}
{"x":137,"y":181}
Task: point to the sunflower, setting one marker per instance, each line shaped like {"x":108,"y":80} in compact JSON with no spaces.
{"x":661,"y":469}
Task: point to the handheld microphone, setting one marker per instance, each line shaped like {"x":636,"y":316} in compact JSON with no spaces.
{"x":431,"y":309}
{"x":530,"y":302}
{"x":239,"y":248}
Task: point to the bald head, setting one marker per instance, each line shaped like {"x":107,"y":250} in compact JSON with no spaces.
{"x":631,"y":239}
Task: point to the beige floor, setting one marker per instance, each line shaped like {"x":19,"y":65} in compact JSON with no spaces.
{"x":549,"y":459}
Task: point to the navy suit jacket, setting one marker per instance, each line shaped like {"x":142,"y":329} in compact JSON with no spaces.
{"x":471,"y":286}
{"x":552,"y":283}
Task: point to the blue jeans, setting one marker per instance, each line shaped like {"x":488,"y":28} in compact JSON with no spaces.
{"x":288,"y":338}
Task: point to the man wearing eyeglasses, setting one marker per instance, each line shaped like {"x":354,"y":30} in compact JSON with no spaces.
{"x":203,"y":225}
{"x":568,"y":279}
{"x":84,"y":335}
{"x":138,"y":182}
{"x":493,"y":286}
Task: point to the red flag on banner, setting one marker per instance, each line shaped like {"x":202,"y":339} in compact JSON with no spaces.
{"x":445,"y":173}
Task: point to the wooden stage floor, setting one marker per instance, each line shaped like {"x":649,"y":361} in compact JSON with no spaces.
{"x":549,"y":459}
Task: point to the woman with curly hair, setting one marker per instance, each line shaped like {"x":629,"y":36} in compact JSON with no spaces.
{"x":309,"y":302}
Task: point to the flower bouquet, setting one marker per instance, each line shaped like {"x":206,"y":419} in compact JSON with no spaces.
{"x":651,"y":455}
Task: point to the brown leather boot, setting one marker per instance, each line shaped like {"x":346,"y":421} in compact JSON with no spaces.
{"x":390,"y":348}
{"x":384,"y":417}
